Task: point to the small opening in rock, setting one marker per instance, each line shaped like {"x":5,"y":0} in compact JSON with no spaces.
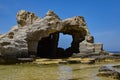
{"x":64,"y":46}
{"x":65,"y":41}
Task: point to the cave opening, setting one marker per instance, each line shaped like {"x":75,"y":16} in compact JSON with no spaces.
{"x":47,"y":46}
{"x":43,"y":49}
{"x":65,"y":40}
{"x":64,"y":46}
{"x":56,"y":45}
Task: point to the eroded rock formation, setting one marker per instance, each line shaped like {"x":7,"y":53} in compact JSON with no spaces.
{"x":39,"y":36}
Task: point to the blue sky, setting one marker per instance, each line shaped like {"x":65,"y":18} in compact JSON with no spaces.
{"x":102,"y":16}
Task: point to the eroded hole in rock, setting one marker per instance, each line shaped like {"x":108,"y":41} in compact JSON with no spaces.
{"x":58,"y":45}
{"x":65,"y":40}
{"x":48,"y":47}
{"x":64,"y":46}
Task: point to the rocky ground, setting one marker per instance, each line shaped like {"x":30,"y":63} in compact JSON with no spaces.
{"x":109,"y":71}
{"x":33,"y":71}
{"x":84,"y":58}
{"x":77,"y":67}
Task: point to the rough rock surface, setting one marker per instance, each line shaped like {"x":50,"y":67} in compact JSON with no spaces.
{"x":32,"y":34}
{"x":108,"y":71}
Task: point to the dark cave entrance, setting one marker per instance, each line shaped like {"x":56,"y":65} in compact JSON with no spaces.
{"x":44,"y":47}
{"x":47,"y":47}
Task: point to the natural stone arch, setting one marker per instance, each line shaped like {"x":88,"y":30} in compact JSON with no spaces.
{"x":77,"y":38}
{"x":71,"y":27}
{"x":49,"y":42}
{"x":31,"y":29}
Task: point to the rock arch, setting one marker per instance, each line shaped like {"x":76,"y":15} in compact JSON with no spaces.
{"x":48,"y":40}
{"x":33,"y":32}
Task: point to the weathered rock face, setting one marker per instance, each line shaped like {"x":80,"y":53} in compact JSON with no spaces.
{"x":26,"y":18}
{"x":39,"y":36}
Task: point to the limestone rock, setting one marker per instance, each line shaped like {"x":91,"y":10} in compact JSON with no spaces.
{"x":90,"y":39}
{"x":86,"y":47}
{"x":26,"y":18}
{"x":98,"y":47}
{"x":39,"y":36}
{"x":106,"y":71}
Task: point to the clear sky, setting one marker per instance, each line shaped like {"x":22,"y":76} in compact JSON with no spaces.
{"x":102,"y":16}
